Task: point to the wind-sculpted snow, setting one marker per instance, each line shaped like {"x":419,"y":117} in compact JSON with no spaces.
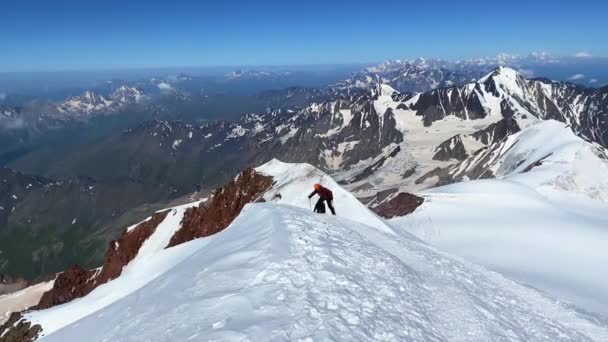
{"x":280,"y":272}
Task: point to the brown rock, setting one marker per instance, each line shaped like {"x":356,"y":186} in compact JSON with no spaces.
{"x":70,"y":284}
{"x":77,"y":282}
{"x":227,"y":202}
{"x":17,"y":329}
{"x":204,"y":220}
{"x":400,"y":205}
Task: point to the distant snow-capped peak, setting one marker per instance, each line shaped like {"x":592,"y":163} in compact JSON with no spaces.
{"x":91,"y":102}
{"x":127,"y":94}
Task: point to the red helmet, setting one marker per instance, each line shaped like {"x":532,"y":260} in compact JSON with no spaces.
{"x":317,"y":186}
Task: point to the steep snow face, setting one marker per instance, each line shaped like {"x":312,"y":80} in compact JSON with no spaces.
{"x":282,"y":273}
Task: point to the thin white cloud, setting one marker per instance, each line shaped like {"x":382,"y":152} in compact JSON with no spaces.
{"x":2,"y":96}
{"x":582,"y":54}
{"x":593,"y":80}
{"x":576,"y":77}
{"x":164,"y":86}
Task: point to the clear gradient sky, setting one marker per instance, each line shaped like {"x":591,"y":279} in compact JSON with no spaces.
{"x":74,"y":35}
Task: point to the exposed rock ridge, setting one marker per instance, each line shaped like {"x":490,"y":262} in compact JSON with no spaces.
{"x":227,"y":202}
{"x":77,"y":282}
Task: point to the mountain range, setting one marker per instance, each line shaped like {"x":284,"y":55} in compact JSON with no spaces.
{"x":494,"y":140}
{"x":270,"y":268}
{"x":358,"y":134}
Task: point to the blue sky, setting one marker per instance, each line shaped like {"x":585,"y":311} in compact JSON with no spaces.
{"x":73,"y":35}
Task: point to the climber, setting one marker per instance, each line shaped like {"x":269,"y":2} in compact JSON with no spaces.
{"x":325,"y":195}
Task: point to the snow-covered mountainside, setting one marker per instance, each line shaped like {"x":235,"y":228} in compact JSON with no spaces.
{"x":561,"y":160}
{"x":420,"y":75}
{"x":542,"y":220}
{"x":370,"y":140}
{"x":91,"y":102}
{"x":445,"y":125}
{"x":415,"y":75}
{"x":279,"y":271}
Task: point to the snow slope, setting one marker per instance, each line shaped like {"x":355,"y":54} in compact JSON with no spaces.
{"x":151,"y":261}
{"x":294,"y":182}
{"x":542,"y":221}
{"x":280,"y":272}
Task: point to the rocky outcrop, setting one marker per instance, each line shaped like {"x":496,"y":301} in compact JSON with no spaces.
{"x":452,"y":148}
{"x":77,"y":282}
{"x":73,"y":283}
{"x":17,"y":329}
{"x":497,"y":131}
{"x":536,"y":163}
{"x":227,"y":202}
{"x":369,"y":170}
{"x":400,"y":205}
{"x":122,"y":251}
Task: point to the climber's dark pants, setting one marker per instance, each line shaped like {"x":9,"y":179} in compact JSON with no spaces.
{"x":320,"y":206}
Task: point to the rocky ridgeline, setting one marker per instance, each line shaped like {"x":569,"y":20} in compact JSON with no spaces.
{"x":208,"y":218}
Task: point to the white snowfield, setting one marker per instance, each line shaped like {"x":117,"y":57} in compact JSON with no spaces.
{"x":547,"y":227}
{"x":280,"y":272}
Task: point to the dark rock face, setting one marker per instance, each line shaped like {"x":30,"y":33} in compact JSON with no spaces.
{"x":536,"y":163}
{"x":216,"y":214}
{"x":372,"y":168}
{"x":585,"y":109}
{"x":497,"y":131}
{"x":461,"y":102}
{"x":477,"y":166}
{"x":123,"y":250}
{"x":77,"y":282}
{"x":17,"y":329}
{"x":400,"y":205}
{"x":452,"y":148}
